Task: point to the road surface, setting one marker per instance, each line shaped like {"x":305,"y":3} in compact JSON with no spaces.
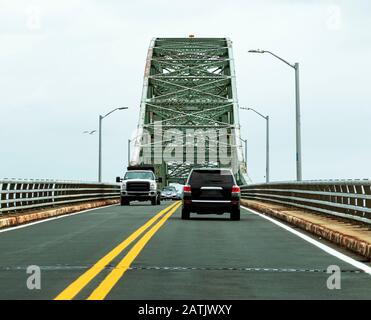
{"x":116,"y":253}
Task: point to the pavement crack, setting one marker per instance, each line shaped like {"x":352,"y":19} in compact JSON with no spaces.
{"x":241,"y":269}
{"x":183,"y":268}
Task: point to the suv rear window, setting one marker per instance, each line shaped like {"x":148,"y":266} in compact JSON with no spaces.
{"x":211,"y":178}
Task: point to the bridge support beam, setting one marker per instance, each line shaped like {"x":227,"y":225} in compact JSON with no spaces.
{"x":189,"y":89}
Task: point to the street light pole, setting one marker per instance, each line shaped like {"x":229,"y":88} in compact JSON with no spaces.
{"x":298,"y":125}
{"x":100,"y":141}
{"x":267,"y":169}
{"x":245,"y":141}
{"x":100,"y":150}
{"x":129,"y":141}
{"x":298,"y":119}
{"x":267,"y":152}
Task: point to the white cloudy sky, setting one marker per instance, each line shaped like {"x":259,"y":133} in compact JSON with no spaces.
{"x":62,"y":63}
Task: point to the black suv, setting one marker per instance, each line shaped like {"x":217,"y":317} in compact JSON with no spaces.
{"x":210,"y":191}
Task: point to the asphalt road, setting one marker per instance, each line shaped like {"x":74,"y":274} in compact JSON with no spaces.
{"x":206,"y":257}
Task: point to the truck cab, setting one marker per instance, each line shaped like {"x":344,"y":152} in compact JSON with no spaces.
{"x":139,"y":184}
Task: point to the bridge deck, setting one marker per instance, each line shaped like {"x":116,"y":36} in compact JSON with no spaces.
{"x":204,"y":258}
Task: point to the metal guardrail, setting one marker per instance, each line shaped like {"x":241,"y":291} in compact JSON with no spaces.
{"x":350,"y":199}
{"x":17,"y":195}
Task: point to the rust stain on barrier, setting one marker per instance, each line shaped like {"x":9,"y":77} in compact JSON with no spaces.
{"x":18,"y":219}
{"x":348,"y":235}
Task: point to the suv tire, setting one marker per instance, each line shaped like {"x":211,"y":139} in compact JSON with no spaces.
{"x":185,"y":214}
{"x":154,"y":201}
{"x":124,"y":202}
{"x":236,"y":214}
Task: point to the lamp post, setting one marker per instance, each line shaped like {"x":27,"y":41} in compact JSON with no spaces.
{"x":129,"y":141}
{"x":295,"y":66}
{"x":245,"y":142}
{"x":100,"y":141}
{"x":267,"y":141}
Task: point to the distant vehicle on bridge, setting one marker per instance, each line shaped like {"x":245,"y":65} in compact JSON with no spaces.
{"x":210,"y":191}
{"x":139,"y":184}
{"x":169,"y":193}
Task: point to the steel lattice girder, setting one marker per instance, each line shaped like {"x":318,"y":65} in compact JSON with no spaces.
{"x":189,"y":83}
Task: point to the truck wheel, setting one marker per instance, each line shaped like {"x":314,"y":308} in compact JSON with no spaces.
{"x":154,"y":201}
{"x":185,"y":214}
{"x":236,"y":214}
{"x":124,"y":202}
{"x":158,"y":202}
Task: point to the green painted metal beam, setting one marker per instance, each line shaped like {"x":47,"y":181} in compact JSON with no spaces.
{"x":189,"y":83}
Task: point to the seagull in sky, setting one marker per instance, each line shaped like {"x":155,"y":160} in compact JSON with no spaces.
{"x":90,"y":132}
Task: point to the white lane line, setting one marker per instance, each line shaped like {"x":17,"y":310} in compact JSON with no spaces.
{"x":52,"y":218}
{"x":316,"y":243}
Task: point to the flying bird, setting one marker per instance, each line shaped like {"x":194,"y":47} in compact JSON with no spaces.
{"x":90,"y":132}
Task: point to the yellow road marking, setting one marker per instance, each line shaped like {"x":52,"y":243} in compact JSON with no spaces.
{"x":114,"y":276}
{"x":75,"y":287}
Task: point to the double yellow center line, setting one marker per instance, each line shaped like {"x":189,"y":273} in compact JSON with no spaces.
{"x":114,"y":276}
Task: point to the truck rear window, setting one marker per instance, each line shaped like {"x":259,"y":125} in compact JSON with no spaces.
{"x":211,"y":178}
{"x":139,"y":175}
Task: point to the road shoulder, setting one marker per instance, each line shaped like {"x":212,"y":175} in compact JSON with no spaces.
{"x":17,"y":219}
{"x":352,"y":236}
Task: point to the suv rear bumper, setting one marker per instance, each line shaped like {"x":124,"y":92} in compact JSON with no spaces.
{"x":211,"y":206}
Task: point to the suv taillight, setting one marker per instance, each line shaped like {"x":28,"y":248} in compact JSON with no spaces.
{"x":236,"y":189}
{"x":187,"y":189}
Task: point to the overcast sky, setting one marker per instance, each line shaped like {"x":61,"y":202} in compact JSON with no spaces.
{"x":62,"y":63}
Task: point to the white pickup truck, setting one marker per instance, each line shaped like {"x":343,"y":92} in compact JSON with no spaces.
{"x":139,"y":184}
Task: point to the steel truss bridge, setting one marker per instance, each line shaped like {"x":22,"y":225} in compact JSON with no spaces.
{"x":73,"y":240}
{"x":189,"y":109}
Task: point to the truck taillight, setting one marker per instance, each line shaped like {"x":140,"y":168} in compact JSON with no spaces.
{"x":187,"y":189}
{"x":236,"y":189}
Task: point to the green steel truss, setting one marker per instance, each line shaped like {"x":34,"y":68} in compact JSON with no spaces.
{"x":189,"y":83}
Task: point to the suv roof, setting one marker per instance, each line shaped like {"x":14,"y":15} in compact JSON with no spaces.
{"x":212,"y":169}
